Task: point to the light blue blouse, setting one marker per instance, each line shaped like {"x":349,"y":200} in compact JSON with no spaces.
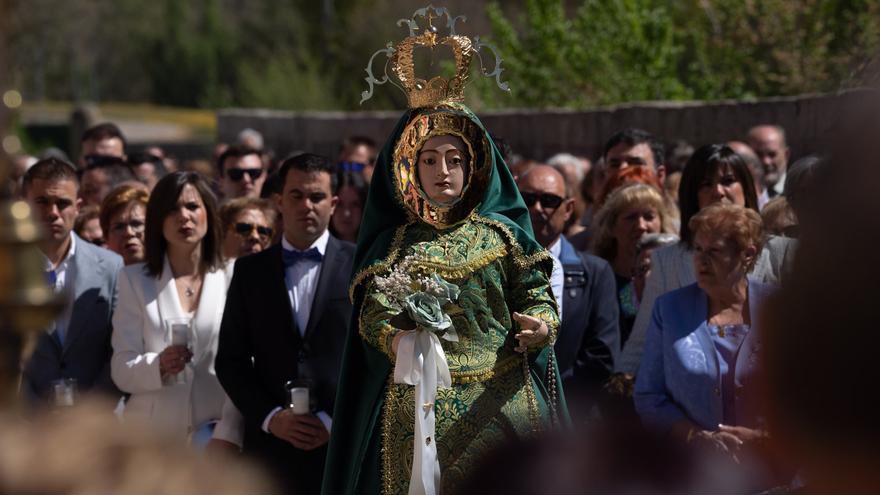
{"x":728,"y":340}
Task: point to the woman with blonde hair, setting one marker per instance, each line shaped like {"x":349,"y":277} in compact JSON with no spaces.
{"x":629,"y":213}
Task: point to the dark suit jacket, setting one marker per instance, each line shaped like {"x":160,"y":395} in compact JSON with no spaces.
{"x":260,"y":349}
{"x":589,"y":339}
{"x":85,"y":354}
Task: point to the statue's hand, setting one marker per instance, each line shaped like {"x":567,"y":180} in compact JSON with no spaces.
{"x":533,"y":331}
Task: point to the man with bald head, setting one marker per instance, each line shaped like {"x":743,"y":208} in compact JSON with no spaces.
{"x":768,"y":142}
{"x":755,"y":167}
{"x":589,"y":337}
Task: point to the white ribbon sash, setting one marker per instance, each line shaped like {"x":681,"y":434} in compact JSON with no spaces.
{"x":421,"y":362}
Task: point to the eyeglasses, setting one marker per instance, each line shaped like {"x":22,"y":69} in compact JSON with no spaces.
{"x":236,"y":174}
{"x":137,"y":226}
{"x":547,"y":200}
{"x":244,"y":228}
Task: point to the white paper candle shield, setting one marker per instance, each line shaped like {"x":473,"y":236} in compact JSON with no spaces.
{"x":299,"y":400}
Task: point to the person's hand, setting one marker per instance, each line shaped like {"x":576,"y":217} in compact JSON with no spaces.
{"x":620,"y":385}
{"x":173,"y":359}
{"x":533,"y":331}
{"x":303,"y":431}
{"x":719,"y":440}
{"x":746,"y":435}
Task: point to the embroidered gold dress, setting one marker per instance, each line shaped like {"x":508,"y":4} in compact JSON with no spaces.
{"x":483,"y":243}
{"x":490,"y":399}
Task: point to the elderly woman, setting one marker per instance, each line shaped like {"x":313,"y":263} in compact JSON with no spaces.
{"x":629,"y":213}
{"x":247,"y":226}
{"x":123,"y":219}
{"x":168,"y":313}
{"x":698,"y":374}
{"x":714,"y":174}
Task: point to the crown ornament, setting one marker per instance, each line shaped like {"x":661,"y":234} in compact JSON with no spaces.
{"x":437,"y":90}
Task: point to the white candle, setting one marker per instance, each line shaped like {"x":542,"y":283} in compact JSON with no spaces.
{"x":64,"y":394}
{"x":299,"y":400}
{"x":180,"y":334}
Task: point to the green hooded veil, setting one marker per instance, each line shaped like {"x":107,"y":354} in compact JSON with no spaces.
{"x":353,"y":461}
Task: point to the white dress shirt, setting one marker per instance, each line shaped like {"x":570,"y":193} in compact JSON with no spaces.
{"x":557,"y":278}
{"x":763,"y":199}
{"x":302,"y":280}
{"x":64,"y":273}
{"x":779,"y":187}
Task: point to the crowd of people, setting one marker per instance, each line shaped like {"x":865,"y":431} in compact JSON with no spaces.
{"x":204,"y":301}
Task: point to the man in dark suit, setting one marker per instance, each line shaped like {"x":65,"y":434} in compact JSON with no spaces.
{"x":589,"y":337}
{"x":286,"y":316}
{"x":78,"y":344}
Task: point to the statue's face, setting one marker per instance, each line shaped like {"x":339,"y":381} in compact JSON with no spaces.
{"x":442,"y":168}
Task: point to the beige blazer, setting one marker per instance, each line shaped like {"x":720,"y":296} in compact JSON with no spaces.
{"x":144,"y":303}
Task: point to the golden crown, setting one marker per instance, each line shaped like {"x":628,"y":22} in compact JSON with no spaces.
{"x":437,"y":90}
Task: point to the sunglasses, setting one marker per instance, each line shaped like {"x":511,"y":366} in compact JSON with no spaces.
{"x":236,"y":174}
{"x":547,"y":200}
{"x":244,"y":228}
{"x":350,"y":166}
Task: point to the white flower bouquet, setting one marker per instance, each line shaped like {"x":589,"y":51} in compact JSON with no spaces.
{"x":424,"y":301}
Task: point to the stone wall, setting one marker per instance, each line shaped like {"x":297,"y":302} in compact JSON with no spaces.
{"x":541,"y":133}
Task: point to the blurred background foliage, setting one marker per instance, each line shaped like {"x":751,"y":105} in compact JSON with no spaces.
{"x":311,"y":54}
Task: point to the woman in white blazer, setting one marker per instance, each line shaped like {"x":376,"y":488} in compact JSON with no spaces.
{"x":713,"y":174}
{"x":173,"y":388}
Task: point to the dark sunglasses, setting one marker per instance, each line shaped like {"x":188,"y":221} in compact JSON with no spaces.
{"x":244,"y":228}
{"x":101,"y":161}
{"x":547,"y":200}
{"x":350,"y":166}
{"x":236,"y":174}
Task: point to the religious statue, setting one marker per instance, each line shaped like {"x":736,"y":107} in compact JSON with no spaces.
{"x":451,"y":350}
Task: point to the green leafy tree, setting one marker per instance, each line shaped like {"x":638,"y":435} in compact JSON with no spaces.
{"x":627,"y":50}
{"x":308,"y":54}
{"x":192,"y":62}
{"x":607,"y":51}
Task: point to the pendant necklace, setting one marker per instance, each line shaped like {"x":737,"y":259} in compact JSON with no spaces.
{"x":190,"y":290}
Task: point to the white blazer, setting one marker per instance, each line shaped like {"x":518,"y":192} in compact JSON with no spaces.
{"x":140,"y":334}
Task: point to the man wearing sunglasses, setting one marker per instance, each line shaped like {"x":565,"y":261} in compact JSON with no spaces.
{"x":358,"y":154}
{"x":247,"y":226}
{"x":589,"y":337}
{"x":241,"y":172}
